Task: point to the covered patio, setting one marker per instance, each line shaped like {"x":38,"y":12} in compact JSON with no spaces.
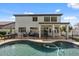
{"x":52,"y":30}
{"x":48,"y":30}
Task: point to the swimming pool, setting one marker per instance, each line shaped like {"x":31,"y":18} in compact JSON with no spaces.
{"x":27,"y":48}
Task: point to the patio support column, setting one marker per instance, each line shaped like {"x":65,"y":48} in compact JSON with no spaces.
{"x":39,"y":31}
{"x":53,"y":34}
{"x":67,"y":30}
{"x":59,"y":31}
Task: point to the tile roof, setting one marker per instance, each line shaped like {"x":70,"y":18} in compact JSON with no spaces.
{"x":4,"y":23}
{"x":7,"y":24}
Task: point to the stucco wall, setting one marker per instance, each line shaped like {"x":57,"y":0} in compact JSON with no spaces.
{"x":26,"y":21}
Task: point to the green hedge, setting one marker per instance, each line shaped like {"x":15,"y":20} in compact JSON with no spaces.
{"x":2,"y":33}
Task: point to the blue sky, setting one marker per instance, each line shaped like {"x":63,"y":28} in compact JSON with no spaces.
{"x":70,"y":11}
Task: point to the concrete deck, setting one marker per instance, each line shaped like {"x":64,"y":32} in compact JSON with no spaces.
{"x":39,"y":41}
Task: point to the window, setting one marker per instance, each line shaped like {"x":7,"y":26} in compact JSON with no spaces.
{"x":22,"y":29}
{"x":50,"y":30}
{"x":53,"y":19}
{"x":56,"y":30}
{"x":47,"y":19}
{"x":33,"y":29}
{"x":35,"y":19}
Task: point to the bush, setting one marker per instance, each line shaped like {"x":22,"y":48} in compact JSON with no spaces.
{"x":76,"y":39}
{"x":2,"y":33}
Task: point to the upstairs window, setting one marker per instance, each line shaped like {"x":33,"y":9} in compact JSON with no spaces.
{"x":22,"y":29}
{"x":47,"y":19}
{"x":53,"y":19}
{"x":35,"y":19}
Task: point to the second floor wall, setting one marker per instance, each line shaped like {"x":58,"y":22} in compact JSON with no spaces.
{"x":36,"y":19}
{"x":33,"y":21}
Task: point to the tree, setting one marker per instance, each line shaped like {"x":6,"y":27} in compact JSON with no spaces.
{"x":63,"y":28}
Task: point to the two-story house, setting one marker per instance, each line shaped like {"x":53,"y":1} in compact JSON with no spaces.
{"x":39,"y":23}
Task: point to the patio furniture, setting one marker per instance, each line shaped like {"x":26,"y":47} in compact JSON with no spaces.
{"x":25,"y":34}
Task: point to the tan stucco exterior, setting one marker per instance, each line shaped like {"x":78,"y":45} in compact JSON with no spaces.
{"x":26,"y":21}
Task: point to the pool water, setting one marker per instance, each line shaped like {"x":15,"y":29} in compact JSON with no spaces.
{"x":23,"y":48}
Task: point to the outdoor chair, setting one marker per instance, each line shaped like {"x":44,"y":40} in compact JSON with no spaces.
{"x":33,"y":34}
{"x":25,"y":34}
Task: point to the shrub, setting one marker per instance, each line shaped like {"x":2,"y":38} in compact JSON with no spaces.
{"x":2,"y":32}
{"x":76,"y":39}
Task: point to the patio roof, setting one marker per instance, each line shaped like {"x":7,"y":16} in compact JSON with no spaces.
{"x":54,"y":23}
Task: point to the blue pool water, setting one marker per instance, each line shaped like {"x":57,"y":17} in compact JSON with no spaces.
{"x":26,"y":48}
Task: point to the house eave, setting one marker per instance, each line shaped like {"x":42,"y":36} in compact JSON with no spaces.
{"x":38,"y":14}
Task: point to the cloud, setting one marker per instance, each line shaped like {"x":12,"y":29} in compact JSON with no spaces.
{"x":72,"y":19}
{"x":12,"y":17}
{"x":57,"y":10}
{"x":73,"y":5}
{"x":9,"y":18}
{"x":28,"y":13}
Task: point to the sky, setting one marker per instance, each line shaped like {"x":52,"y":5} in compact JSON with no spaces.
{"x":70,"y":11}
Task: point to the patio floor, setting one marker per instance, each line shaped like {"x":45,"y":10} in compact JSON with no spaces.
{"x":42,"y":38}
{"x":36,"y":38}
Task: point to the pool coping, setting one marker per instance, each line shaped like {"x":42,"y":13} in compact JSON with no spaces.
{"x":39,"y":41}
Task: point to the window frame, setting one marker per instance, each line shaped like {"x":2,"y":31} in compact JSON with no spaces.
{"x":35,"y":19}
{"x":54,"y":20}
{"x":22,"y":29}
{"x":33,"y":28}
{"x":46,"y":18}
